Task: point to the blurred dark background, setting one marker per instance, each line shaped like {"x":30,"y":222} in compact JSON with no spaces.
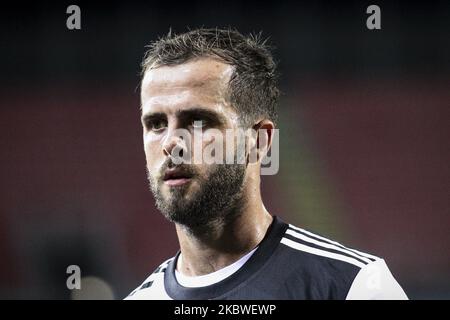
{"x":364,"y":130}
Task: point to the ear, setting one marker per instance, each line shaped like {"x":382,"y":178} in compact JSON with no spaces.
{"x":263,"y":133}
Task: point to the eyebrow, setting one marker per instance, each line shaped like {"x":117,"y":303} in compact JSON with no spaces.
{"x":152,"y":115}
{"x":197,"y":112}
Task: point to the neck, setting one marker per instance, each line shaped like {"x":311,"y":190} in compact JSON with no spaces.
{"x":226,"y":241}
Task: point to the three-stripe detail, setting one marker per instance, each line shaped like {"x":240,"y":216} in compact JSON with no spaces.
{"x":306,"y":241}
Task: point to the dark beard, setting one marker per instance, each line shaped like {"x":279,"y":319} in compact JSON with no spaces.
{"x":218,"y":200}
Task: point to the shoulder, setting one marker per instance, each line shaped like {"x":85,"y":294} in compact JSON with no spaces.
{"x":376,"y":282}
{"x":318,"y":248}
{"x":336,"y":270}
{"x":153,"y":285}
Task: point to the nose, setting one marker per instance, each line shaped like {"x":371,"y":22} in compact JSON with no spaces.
{"x":175,"y":145}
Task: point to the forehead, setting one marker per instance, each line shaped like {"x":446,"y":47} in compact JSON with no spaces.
{"x":201,"y":82}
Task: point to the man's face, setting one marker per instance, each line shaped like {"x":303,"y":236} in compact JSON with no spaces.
{"x":174,"y":98}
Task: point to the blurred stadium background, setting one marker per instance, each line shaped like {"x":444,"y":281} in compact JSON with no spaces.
{"x":364,"y":130}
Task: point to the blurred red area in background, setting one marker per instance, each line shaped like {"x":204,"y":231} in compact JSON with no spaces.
{"x":73,"y":171}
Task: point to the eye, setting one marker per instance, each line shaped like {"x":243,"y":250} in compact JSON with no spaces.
{"x":199,"y":123}
{"x":156,"y":125}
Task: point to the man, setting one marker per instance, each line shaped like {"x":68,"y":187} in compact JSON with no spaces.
{"x":231,"y":247}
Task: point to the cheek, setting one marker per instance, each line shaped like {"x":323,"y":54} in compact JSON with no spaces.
{"x":215,"y":139}
{"x":151,"y":150}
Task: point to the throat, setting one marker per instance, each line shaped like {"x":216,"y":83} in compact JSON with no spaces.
{"x":212,"y":277}
{"x":208,"y":254}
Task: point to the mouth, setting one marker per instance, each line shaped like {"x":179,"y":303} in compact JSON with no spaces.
{"x":175,"y":178}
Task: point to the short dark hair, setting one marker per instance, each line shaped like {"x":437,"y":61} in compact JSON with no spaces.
{"x":252,"y":89}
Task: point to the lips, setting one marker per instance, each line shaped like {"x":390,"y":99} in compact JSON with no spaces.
{"x":176,"y":177}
